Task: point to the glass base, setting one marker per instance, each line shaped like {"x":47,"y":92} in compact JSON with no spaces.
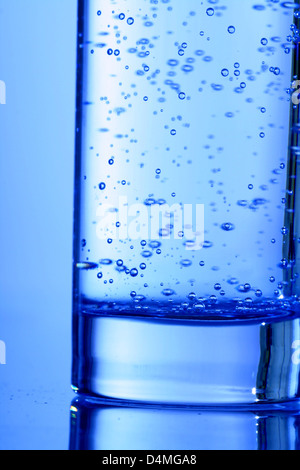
{"x":187,"y":363}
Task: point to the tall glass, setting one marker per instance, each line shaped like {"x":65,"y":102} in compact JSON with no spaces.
{"x":186,"y":259}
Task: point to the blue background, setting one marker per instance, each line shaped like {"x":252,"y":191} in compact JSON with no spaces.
{"x":38,"y":65}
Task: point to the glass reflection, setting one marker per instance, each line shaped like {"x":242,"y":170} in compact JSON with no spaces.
{"x":111,"y":426}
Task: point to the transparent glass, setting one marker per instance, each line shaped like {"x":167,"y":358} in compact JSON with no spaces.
{"x":186,"y":242}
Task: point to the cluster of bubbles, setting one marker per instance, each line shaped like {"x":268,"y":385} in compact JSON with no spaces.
{"x":183,"y":63}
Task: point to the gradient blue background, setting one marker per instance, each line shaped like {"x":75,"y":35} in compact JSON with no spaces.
{"x":38,"y":64}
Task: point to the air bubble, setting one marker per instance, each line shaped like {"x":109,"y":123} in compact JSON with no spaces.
{"x":186,"y":263}
{"x":168,"y":292}
{"x":134,"y":272}
{"x":147,"y":254}
{"x":228,"y":227}
{"x":192,"y":296}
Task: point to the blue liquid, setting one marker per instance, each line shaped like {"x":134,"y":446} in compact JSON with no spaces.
{"x":165,"y":125}
{"x":185,"y":105}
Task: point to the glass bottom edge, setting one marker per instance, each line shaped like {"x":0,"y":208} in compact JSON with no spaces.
{"x":134,"y":360}
{"x":288,"y":406}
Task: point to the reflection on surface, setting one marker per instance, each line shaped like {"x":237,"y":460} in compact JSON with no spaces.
{"x":104,"y":426}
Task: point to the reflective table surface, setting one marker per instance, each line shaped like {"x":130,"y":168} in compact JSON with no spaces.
{"x":39,"y":410}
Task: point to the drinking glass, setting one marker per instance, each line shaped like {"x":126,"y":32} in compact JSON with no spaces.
{"x":186,"y":240}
